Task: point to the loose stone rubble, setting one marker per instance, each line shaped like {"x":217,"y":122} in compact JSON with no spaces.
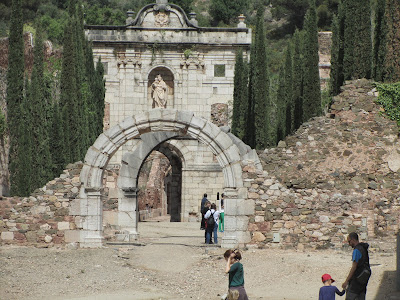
{"x":336,"y":174}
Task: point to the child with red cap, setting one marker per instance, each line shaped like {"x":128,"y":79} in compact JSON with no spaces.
{"x":328,"y":291}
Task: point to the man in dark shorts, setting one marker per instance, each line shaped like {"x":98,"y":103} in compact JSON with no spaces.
{"x":357,"y":280}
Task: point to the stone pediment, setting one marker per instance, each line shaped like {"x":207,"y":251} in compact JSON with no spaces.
{"x":161,"y":15}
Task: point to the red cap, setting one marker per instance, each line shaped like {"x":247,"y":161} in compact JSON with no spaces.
{"x":326,"y":277}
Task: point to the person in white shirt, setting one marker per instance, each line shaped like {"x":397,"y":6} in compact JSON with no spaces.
{"x":212,"y":224}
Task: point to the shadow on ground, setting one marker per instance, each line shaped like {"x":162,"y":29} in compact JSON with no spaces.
{"x":387,"y":288}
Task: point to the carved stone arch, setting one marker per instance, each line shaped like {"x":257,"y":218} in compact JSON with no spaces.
{"x":131,"y":165}
{"x":171,"y":69}
{"x":178,"y":147}
{"x":167,"y":123}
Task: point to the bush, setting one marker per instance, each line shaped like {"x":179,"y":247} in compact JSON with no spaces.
{"x":389,"y":98}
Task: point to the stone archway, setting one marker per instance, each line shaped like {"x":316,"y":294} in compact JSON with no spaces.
{"x":135,"y":159}
{"x":164,"y":124}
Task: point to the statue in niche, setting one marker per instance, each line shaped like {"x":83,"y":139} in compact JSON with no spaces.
{"x":159,"y":89}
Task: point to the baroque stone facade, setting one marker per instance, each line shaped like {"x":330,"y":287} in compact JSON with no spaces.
{"x":160,"y":58}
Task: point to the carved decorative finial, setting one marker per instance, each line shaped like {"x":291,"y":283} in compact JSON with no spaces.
{"x":161,"y":1}
{"x":193,"y":20}
{"x":129,"y":17}
{"x":241,"y":21}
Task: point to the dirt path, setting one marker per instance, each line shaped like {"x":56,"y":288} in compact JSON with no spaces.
{"x":173,"y":263}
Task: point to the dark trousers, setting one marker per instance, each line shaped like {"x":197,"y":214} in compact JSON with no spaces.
{"x":353,"y":296}
{"x":355,"y":291}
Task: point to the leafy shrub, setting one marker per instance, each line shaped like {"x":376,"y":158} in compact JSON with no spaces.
{"x":389,"y":98}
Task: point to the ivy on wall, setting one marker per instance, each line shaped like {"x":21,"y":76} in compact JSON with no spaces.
{"x":389,"y":98}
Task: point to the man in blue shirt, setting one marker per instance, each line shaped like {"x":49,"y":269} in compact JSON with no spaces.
{"x":355,"y":284}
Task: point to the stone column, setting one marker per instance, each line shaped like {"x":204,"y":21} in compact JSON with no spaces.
{"x":92,"y":215}
{"x":230,"y":239}
{"x":237,"y":210}
{"x":128,"y":214}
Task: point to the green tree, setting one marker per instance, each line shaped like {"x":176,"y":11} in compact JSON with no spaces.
{"x":227,"y":10}
{"x":281,"y":106}
{"x":99,"y":92}
{"x":186,"y":5}
{"x":68,"y":95}
{"x":357,"y":58}
{"x":240,"y":102}
{"x":311,"y":82}
{"x":392,"y":63}
{"x":96,"y":15}
{"x":298,"y":75}
{"x":83,"y":82}
{"x":380,"y":33}
{"x":57,"y":140}
{"x":260,"y":86}
{"x":337,"y":53}
{"x":15,"y":95}
{"x":39,"y":106}
{"x":250,"y":137}
{"x":25,"y":147}
{"x":292,"y":10}
{"x":288,"y":79}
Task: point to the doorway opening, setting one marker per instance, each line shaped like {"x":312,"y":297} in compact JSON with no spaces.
{"x":160,"y":186}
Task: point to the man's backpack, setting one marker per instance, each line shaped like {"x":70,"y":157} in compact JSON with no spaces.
{"x":211,"y":221}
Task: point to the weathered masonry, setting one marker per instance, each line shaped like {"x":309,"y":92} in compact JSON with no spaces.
{"x":162,"y":60}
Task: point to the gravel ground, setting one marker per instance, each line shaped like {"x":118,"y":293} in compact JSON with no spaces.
{"x":170,"y":261}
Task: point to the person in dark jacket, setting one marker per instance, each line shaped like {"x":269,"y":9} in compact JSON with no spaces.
{"x":357,"y":280}
{"x":204,"y":210}
{"x":203,"y":203}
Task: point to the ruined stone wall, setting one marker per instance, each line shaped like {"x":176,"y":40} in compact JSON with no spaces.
{"x":336,"y":174}
{"x":43,"y":219}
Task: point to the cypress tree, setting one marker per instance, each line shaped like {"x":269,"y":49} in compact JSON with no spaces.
{"x":68,"y":95}
{"x":91,"y":76}
{"x":297,"y":80}
{"x":289,"y":125}
{"x":250,"y":137}
{"x":379,"y":51}
{"x":281,"y":106}
{"x":336,"y":75}
{"x":240,"y":104}
{"x":41,"y":158}
{"x":57,"y":140}
{"x":263,"y":136}
{"x":357,"y":58}
{"x":15,"y":88}
{"x":99,"y":93}
{"x":392,"y":61}
{"x":25,"y":146}
{"x":311,"y":82}
{"x":83,"y":83}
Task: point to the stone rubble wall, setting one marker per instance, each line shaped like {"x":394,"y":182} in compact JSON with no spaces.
{"x":336,"y":174}
{"x":43,"y":219}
